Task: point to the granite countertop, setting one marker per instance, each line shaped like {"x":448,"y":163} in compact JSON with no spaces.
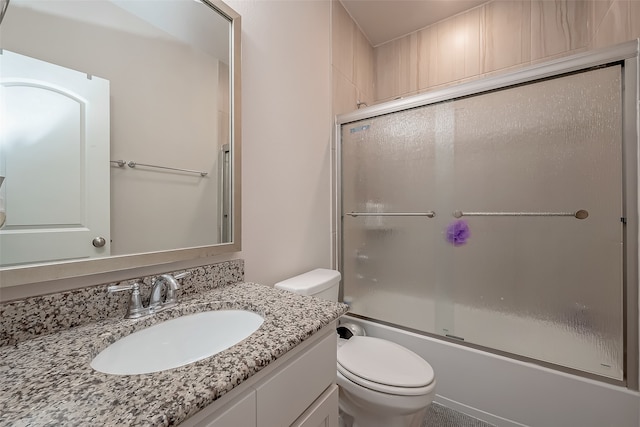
{"x":47,"y":381}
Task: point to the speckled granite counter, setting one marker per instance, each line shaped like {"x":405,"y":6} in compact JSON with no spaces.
{"x":47,"y":381}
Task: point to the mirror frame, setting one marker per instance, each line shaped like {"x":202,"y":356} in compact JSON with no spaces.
{"x":35,"y":273}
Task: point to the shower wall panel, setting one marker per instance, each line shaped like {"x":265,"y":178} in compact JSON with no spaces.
{"x":543,"y":287}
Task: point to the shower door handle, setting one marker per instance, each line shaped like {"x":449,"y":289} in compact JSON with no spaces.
{"x":428,"y":214}
{"x":581,"y":214}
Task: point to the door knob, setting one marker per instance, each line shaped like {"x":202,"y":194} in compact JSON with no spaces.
{"x":99,"y":242}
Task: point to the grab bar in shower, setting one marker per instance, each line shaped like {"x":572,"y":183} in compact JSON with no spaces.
{"x":429,"y":214}
{"x":581,"y":214}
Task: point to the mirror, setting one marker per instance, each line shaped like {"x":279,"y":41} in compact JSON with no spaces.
{"x":119,"y":140}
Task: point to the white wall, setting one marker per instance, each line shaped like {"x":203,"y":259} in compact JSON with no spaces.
{"x":286,"y":122}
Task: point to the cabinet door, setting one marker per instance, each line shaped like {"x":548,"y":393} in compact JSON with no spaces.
{"x":281,"y":399}
{"x":323,"y":412}
{"x":242,"y":413}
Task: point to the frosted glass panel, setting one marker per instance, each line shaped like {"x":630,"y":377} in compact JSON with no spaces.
{"x":548,"y":288}
{"x":553,"y":146}
{"x":388,"y":167}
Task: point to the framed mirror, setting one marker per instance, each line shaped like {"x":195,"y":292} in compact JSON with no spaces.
{"x":119,"y":135}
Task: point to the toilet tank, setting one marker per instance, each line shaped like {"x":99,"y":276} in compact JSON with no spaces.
{"x":321,"y":283}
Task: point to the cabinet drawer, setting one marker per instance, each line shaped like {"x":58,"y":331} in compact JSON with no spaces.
{"x":282,"y":398}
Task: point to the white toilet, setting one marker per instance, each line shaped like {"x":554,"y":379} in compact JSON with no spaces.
{"x":382,"y":384}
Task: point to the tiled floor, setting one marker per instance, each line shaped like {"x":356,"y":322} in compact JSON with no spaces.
{"x":441,"y":416}
{"x":437,"y":416}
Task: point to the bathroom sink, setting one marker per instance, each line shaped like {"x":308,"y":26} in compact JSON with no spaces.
{"x":176,"y":342}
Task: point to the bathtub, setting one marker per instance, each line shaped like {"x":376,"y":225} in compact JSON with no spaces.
{"x":508,"y":392}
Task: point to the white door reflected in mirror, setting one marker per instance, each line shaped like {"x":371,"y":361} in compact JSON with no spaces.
{"x":54,"y":155}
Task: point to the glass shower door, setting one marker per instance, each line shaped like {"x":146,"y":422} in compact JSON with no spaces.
{"x":389,"y":173}
{"x":545,"y":287}
{"x":502,"y":264}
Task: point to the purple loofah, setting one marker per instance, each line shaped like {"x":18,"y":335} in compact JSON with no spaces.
{"x":458,"y":232}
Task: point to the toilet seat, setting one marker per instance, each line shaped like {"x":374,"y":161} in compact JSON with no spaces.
{"x":384,"y":366}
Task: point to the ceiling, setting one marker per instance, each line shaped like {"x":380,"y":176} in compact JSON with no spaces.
{"x":385,"y":20}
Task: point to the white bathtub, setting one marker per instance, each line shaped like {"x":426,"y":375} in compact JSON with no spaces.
{"x":537,"y":339}
{"x":508,"y":392}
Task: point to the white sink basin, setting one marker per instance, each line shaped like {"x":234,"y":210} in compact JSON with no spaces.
{"x":177,"y":342}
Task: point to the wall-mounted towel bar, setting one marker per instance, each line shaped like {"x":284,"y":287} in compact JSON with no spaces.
{"x":581,"y":214}
{"x":132,"y":164}
{"x":429,"y":214}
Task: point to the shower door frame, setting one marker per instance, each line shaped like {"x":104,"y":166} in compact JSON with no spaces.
{"x":626,"y":54}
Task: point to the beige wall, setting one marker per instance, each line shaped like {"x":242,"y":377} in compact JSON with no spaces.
{"x":286,"y":110}
{"x":496,"y":37}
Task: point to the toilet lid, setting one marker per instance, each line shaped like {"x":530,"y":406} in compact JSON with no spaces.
{"x":383,"y":362}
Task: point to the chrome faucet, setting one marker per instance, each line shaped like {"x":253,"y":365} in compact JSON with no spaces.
{"x":171,"y":284}
{"x":137,"y":309}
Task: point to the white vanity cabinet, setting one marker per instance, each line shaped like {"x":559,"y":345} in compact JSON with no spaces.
{"x":298,"y":390}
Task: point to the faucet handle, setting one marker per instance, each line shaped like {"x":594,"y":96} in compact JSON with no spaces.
{"x":182,"y":275}
{"x":119,"y":288}
{"x":136,"y":309}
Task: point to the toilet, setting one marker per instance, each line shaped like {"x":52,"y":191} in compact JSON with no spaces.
{"x":382,"y":384}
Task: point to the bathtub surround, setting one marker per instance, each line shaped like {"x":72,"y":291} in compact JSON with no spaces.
{"x":41,"y":315}
{"x":47,"y":377}
{"x":492,"y":38}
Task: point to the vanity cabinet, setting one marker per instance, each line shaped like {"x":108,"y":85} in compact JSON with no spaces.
{"x":298,"y":390}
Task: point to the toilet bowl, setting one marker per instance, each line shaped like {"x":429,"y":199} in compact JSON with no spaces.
{"x":381,"y":383}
